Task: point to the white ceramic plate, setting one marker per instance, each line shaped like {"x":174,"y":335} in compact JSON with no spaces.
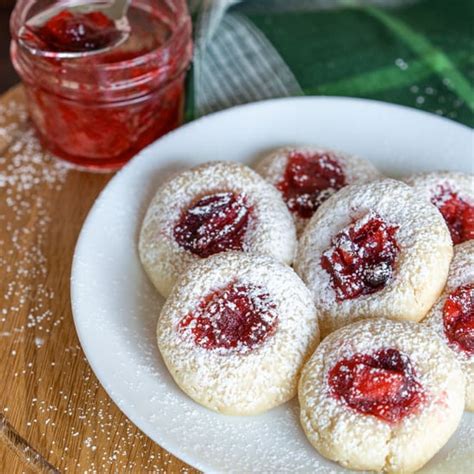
{"x":115,"y":307}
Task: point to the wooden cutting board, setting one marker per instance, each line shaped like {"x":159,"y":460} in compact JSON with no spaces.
{"x":54,"y":414}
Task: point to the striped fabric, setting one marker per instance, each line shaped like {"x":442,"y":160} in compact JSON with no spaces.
{"x":234,"y":63}
{"x":259,"y":49}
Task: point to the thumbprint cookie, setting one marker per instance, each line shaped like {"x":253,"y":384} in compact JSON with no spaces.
{"x":381,"y":395}
{"x":213,"y":208}
{"x":453,"y":194}
{"x":452,"y":317}
{"x":374,"y":250}
{"x":236,"y":331}
{"x":307,"y":176}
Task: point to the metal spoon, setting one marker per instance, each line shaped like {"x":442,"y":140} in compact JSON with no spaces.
{"x":115,"y":11}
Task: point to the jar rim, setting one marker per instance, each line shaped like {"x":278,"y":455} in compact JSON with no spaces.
{"x":184,"y":20}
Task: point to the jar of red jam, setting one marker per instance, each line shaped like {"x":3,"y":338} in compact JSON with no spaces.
{"x":99,"y":111}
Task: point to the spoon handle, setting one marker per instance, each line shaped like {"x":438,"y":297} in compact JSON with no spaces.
{"x":118,"y":9}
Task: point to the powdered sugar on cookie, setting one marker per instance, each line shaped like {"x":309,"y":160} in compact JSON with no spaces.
{"x":439,"y":319}
{"x":306,"y":176}
{"x":238,"y":375}
{"x":420,"y":265}
{"x":363,"y":441}
{"x":221,"y":206}
{"x":453,"y":194}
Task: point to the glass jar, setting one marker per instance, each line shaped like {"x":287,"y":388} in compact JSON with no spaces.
{"x":98,"y":112}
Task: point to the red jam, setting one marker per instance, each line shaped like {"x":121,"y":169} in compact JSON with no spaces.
{"x":458,"y":318}
{"x":309,"y":180}
{"x":99,"y":111}
{"x":362,"y":257}
{"x":215,"y":223}
{"x":75,"y":32}
{"x":458,"y":214}
{"x":383,"y":384}
{"x":239,"y":317}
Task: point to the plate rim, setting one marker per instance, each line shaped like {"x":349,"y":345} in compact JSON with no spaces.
{"x":171,"y":447}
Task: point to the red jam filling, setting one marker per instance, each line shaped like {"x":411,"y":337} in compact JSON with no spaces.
{"x":362,"y":257}
{"x":309,"y":180}
{"x":458,"y":318}
{"x":100,"y":110}
{"x":239,"y":317}
{"x":75,"y":32}
{"x":458,"y":214}
{"x":215,"y":223}
{"x":382,"y":384}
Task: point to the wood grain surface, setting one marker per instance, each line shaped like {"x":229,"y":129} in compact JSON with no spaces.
{"x":54,"y":415}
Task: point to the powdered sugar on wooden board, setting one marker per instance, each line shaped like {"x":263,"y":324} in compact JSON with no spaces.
{"x":24,"y":172}
{"x":51,"y":397}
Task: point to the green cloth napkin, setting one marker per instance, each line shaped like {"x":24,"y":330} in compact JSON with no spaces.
{"x":418,"y":54}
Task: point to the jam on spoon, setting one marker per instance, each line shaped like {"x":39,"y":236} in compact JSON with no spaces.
{"x":74,"y":32}
{"x":80,"y":30}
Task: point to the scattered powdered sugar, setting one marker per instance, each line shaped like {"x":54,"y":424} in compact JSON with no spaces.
{"x":30,"y":185}
{"x":26,"y":173}
{"x":427,"y":185}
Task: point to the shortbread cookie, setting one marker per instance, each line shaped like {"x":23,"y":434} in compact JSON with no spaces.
{"x":453,"y":194}
{"x":236,"y":331}
{"x":213,"y":208}
{"x":374,"y":250}
{"x":452,"y":317}
{"x":307,"y":175}
{"x":381,"y":395}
